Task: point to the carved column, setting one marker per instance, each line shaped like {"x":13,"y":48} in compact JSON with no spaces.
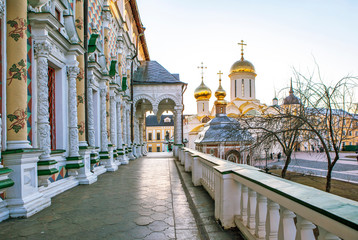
{"x":42,"y":50}
{"x":114,"y":117}
{"x":130,"y":144}
{"x":124,"y":129}
{"x":90,"y":112}
{"x":177,"y":128}
{"x":120,"y":148}
{"x":2,"y":9}
{"x":104,"y":137}
{"x":72,"y":72}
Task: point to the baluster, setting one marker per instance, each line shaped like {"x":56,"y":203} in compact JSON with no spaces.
{"x":304,"y":229}
{"x":325,"y":235}
{"x":251,"y":210}
{"x":287,"y":227}
{"x":272,"y":220}
{"x":244,"y":199}
{"x":261,"y":212}
{"x":238,"y":202}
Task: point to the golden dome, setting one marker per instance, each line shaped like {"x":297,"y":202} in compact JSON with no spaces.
{"x":242,"y":66}
{"x":220,"y":94}
{"x":202,"y":92}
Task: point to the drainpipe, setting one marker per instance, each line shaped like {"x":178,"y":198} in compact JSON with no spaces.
{"x":85,"y":41}
{"x":132,"y":107}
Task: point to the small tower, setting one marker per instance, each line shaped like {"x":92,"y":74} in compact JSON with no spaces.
{"x":275,"y":100}
{"x":220,"y":103}
{"x":242,"y":79}
{"x":202,"y":95}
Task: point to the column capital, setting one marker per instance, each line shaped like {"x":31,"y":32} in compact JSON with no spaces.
{"x":72,"y":71}
{"x":178,"y":109}
{"x":103,"y":92}
{"x":42,"y":48}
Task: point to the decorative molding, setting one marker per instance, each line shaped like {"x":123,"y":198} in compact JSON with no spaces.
{"x":42,"y":48}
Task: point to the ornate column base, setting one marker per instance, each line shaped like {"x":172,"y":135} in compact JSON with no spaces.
{"x":143,"y":150}
{"x":24,"y":199}
{"x":5,"y":183}
{"x":107,"y":159}
{"x":18,"y":144}
{"x":95,"y":161}
{"x":134,"y":150}
{"x":85,"y":176}
{"x":138,"y":151}
{"x":45,"y":169}
{"x":124,"y":158}
{"x":116,"y":156}
{"x":130,"y":153}
{"x":74,"y":164}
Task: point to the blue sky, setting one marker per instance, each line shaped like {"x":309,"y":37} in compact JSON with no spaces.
{"x":280,"y":35}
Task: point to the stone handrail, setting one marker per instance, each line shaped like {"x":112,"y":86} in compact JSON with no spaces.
{"x":263,"y":206}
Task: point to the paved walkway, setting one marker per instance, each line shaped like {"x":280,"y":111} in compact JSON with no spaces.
{"x":142,"y":200}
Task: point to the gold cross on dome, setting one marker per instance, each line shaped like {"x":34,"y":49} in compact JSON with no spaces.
{"x":242,"y":48}
{"x":202,"y":71}
{"x":220,"y":73}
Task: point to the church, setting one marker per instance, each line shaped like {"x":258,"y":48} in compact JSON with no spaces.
{"x":243,"y":101}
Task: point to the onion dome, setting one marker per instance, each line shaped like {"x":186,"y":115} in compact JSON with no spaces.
{"x":291,"y":99}
{"x":202,"y":92}
{"x":220,"y":94}
{"x":242,"y":66}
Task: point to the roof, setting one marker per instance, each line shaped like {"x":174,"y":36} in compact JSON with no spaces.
{"x":151,"y":121}
{"x":223,"y":129}
{"x":151,"y":72}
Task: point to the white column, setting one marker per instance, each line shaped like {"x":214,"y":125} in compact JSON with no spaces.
{"x":90,"y":113}
{"x":261,"y":212}
{"x":122,"y":157}
{"x":104,"y":137}
{"x":130,"y":145}
{"x":272,"y":220}
{"x":72,"y":72}
{"x":304,"y":229}
{"x":287,"y":227}
{"x":252,"y":210}
{"x":244,"y":202}
{"x":113,"y":121}
{"x":177,"y":128}
{"x":42,"y":50}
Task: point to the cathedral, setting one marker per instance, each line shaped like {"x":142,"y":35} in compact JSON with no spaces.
{"x":76,"y":82}
{"x":242,"y":102}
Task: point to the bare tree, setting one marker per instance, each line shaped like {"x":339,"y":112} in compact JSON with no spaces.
{"x":329,"y":112}
{"x":277,"y":127}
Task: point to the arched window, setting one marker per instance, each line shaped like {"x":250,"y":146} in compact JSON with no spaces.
{"x":243,"y":88}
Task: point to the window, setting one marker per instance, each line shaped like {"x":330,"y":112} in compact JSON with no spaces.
{"x":150,"y":149}
{"x":235,"y":88}
{"x":350,"y":143}
{"x":242,"y":88}
{"x":344,"y":133}
{"x":167,"y":120}
{"x":250,"y":88}
{"x":158,"y":149}
{"x":158,"y":135}
{"x":350,"y":133}
{"x":356,"y":133}
{"x":149,"y":136}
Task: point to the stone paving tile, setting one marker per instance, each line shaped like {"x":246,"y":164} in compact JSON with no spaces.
{"x":142,"y":200}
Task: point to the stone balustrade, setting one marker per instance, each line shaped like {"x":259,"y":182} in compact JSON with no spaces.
{"x":264,"y":206}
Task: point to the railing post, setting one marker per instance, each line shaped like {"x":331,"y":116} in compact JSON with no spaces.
{"x":244,"y":199}
{"x":186,"y":156}
{"x":225,"y":198}
{"x":304,"y":229}
{"x":325,"y":235}
{"x":261,"y":212}
{"x":272,"y":220}
{"x":287,"y":228}
{"x":196,"y":171}
{"x":251,"y":210}
{"x":187,"y":163}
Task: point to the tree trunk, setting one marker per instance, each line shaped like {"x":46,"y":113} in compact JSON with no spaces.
{"x":284,"y":169}
{"x":328,"y":178}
